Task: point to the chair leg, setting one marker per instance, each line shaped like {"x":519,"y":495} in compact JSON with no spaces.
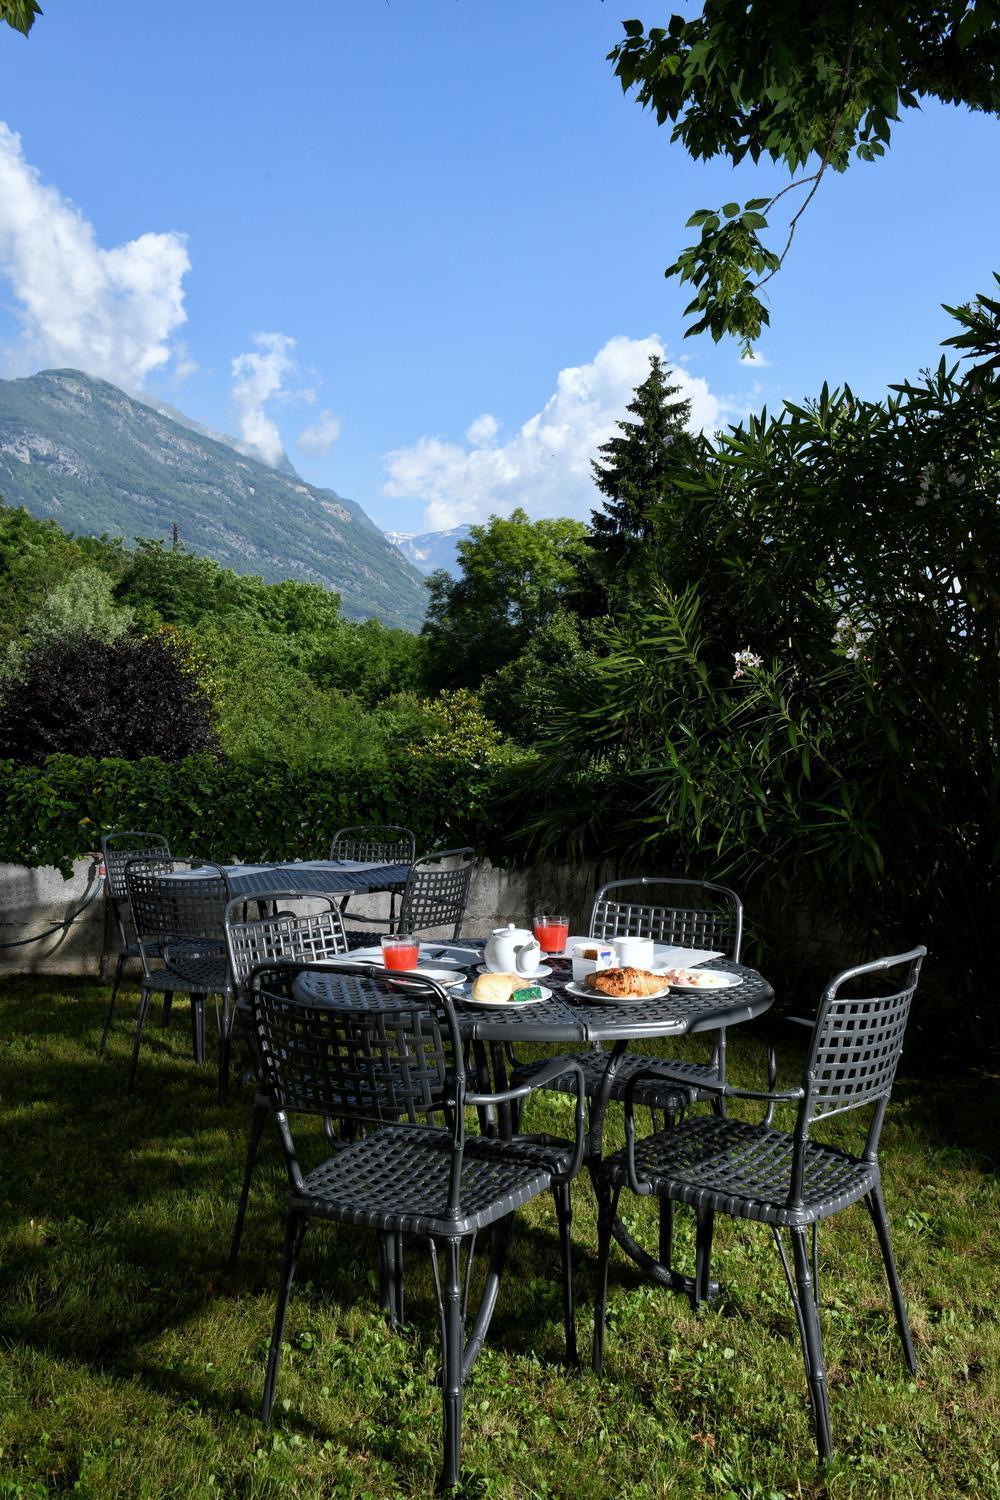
{"x":198,"y":1028}
{"x":812,"y":1343}
{"x":703,"y":1255}
{"x":225,"y":1033}
{"x":390,"y":1262}
{"x":564,"y":1215}
{"x":295,"y":1229}
{"x":140,"y":1023}
{"x":451,"y":1382}
{"x":119,"y":971}
{"x":168,"y":1005}
{"x":607,"y":1207}
{"x":876,"y":1207}
{"x":257,"y":1121}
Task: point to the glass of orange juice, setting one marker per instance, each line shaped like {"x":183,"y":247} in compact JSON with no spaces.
{"x":551,"y":934}
{"x":400,"y":952}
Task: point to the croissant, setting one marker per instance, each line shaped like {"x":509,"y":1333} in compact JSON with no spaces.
{"x":621,"y":982}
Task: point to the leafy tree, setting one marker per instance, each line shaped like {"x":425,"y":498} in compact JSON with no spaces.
{"x":20,"y":14}
{"x":127,"y":698}
{"x":637,"y":469}
{"x":175,"y":587}
{"x":516,"y":574}
{"x":368,"y":660}
{"x":35,"y":557}
{"x":519,"y":696}
{"x":806,"y":86}
{"x":82,"y":605}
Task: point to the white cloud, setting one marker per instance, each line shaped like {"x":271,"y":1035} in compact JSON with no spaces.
{"x":258,"y":378}
{"x":321,"y":436}
{"x":545,"y":466}
{"x":482,"y":432}
{"x":754,"y":358}
{"x":108,"y":312}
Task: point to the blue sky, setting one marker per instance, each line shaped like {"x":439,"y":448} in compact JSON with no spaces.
{"x":421,"y":243}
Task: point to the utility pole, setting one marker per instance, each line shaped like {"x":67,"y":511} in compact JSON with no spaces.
{"x":175,"y":534}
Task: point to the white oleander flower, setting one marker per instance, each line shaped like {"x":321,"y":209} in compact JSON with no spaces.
{"x":744,"y":660}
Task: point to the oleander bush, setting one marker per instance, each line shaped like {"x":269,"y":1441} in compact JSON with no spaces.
{"x":802,"y":695}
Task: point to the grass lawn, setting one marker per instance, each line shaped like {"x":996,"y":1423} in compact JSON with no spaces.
{"x":131,"y":1361}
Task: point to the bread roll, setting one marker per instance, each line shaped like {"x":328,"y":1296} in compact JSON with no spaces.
{"x":493,"y":987}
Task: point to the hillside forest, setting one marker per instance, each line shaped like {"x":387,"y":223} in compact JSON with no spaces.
{"x":771,"y":658}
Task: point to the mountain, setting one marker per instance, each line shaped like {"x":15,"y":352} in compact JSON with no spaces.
{"x":432,"y":550}
{"x":84,"y":453}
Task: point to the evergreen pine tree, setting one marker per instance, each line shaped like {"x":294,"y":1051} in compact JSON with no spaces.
{"x":634,"y":474}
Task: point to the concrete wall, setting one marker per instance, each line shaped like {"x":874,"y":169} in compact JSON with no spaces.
{"x":31,"y":901}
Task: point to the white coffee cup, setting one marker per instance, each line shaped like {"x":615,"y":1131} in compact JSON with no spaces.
{"x":633,"y":952}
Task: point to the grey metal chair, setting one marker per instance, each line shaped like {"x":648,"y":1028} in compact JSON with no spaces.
{"x":681,"y":912}
{"x":783,"y":1178}
{"x":117,"y":849}
{"x":178,"y":922}
{"x":296,"y":932}
{"x":435,"y":895}
{"x":685,"y":913}
{"x":387,"y":843}
{"x":389,"y":1056}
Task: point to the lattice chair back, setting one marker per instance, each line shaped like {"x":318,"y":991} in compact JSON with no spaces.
{"x":387,"y":843}
{"x":437,"y":891}
{"x":857,"y":1042}
{"x":384,"y":1051}
{"x":682,"y":913}
{"x":119,"y":848}
{"x":290,"y":934}
{"x":182,"y":902}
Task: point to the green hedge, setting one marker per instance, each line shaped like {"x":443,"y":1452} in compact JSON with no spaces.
{"x":221,"y":809}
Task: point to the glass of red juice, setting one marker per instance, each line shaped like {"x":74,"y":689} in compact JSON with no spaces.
{"x":551,"y":934}
{"x":400,"y":952}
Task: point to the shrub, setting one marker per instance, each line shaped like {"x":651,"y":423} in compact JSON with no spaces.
{"x":129,"y":697}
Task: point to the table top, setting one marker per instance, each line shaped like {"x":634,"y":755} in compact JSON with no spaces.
{"x":328,"y":877}
{"x":565,"y":1019}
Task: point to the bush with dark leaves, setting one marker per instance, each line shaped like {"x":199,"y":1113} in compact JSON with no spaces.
{"x":127,"y":698}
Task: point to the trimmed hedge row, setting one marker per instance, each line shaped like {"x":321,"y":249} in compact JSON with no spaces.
{"x":219,"y":809}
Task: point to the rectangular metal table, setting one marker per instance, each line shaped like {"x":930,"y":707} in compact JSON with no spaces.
{"x":327,"y":877}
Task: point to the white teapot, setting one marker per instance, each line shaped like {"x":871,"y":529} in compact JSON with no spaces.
{"x":502,"y":946}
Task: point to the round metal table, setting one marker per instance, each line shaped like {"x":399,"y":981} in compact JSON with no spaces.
{"x":565,"y":1021}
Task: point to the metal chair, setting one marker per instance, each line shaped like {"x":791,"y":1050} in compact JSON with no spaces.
{"x":388,"y":1056}
{"x":178,"y":919}
{"x":291,"y":934}
{"x":783,"y":1178}
{"x":689,"y":914}
{"x":435,"y":895}
{"x":117,"y":849}
{"x":387,"y":843}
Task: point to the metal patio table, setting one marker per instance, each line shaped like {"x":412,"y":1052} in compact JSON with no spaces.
{"x":327,"y":877}
{"x":565,"y":1021}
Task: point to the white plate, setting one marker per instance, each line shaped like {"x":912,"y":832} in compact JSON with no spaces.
{"x":584,"y":994}
{"x":507,"y":1004}
{"x":542,"y":972}
{"x":722,"y":981}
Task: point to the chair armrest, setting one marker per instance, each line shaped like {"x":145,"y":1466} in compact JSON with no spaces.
{"x":643,"y":1185}
{"x":559,"y":1067}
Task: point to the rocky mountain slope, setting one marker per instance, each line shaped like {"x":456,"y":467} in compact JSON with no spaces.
{"x":96,"y":460}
